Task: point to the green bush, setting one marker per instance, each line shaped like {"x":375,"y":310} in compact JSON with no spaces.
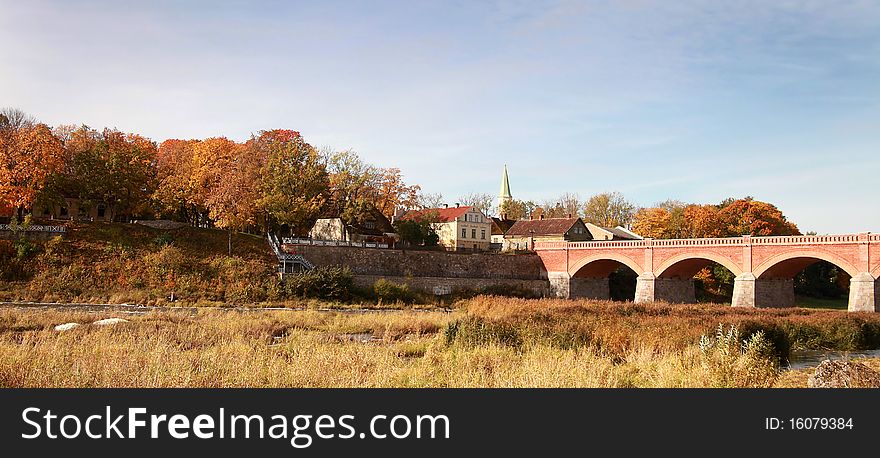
{"x":332,"y":283}
{"x":736,"y":362}
{"x":390,"y":292}
{"x":163,"y":239}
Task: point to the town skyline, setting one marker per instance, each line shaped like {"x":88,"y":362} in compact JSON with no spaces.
{"x":695,"y":102}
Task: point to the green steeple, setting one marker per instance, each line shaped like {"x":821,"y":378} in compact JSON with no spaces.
{"x":505,"y":186}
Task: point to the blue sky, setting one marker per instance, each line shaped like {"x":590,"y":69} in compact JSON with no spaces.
{"x":690,"y":100}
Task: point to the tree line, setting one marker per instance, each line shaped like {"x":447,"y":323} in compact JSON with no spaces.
{"x":731,"y":217}
{"x":274,"y":180}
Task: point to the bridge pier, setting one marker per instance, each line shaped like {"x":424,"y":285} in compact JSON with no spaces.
{"x":674,"y":290}
{"x":864,"y":293}
{"x":560,"y":284}
{"x":749,"y":291}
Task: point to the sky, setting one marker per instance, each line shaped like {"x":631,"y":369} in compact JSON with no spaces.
{"x":689,"y":100}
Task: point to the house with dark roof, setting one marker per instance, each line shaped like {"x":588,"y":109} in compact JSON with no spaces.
{"x":374,"y":228}
{"x":611,"y":233}
{"x":459,"y":227}
{"x":523,"y":233}
{"x":500,"y":226}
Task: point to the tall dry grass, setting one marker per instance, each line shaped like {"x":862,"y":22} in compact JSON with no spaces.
{"x":486,"y":342}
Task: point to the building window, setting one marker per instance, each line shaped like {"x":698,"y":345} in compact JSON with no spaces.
{"x":63,"y":211}
{"x":483,"y":234}
{"x":370,"y":225}
{"x":102,"y":210}
{"x":473,"y":233}
{"x":463,"y":233}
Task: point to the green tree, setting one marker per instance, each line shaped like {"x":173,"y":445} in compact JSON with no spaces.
{"x":353,"y":185}
{"x":416,"y":233}
{"x":295,"y":184}
{"x":609,"y":209}
{"x":518,"y":209}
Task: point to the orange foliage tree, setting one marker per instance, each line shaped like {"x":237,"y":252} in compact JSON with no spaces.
{"x":652,"y":222}
{"x":701,"y":221}
{"x":29,"y":155}
{"x":173,"y":196}
{"x":753,"y":217}
{"x":393,"y":192}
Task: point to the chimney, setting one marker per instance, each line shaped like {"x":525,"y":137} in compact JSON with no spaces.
{"x":456,"y":205}
{"x":504,"y":216}
{"x":542,"y":217}
{"x":445,"y":205}
{"x":569,"y":216}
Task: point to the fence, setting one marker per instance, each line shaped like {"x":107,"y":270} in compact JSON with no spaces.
{"x":35,"y":228}
{"x":304,"y":241}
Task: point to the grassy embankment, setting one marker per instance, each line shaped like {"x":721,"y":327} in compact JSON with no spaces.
{"x":485,"y":342}
{"x":135,"y":264}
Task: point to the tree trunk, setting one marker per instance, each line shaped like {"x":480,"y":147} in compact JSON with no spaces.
{"x":230,"y":243}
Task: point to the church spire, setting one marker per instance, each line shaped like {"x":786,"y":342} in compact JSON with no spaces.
{"x":505,"y":186}
{"x":504,"y":195}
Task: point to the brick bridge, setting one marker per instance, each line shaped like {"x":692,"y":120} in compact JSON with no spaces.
{"x":765,"y":267}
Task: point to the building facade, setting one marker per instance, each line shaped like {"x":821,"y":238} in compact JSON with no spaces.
{"x":375,"y":228}
{"x":524,"y":233}
{"x":459,"y":228}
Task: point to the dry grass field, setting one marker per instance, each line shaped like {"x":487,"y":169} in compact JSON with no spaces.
{"x":484,"y":342}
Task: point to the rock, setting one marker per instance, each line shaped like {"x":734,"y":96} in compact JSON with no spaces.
{"x":109,"y":321}
{"x":66,"y":326}
{"x":843,"y":374}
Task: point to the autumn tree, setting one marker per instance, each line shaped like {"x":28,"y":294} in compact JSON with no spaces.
{"x":173,"y":196}
{"x":652,"y":222}
{"x":29,"y":155}
{"x":551,"y":209}
{"x":478,"y":200}
{"x":354,"y":186}
{"x":752,"y":217}
{"x":518,"y":209}
{"x":701,"y":221}
{"x":609,"y":209}
{"x":294,"y":182}
{"x":393,"y":192}
{"x":125,"y":171}
{"x":233,"y":203}
{"x":210,"y":165}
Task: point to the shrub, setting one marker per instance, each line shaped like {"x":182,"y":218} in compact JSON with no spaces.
{"x":510,"y":291}
{"x":733,"y":362}
{"x":333,"y":283}
{"x":24,"y":249}
{"x":388,"y":291}
{"x":163,"y":239}
{"x":475,"y":332}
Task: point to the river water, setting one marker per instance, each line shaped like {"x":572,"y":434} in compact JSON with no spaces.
{"x":811,"y":358}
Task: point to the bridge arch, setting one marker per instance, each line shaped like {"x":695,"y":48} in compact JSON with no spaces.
{"x":686,"y":265}
{"x":601,"y":265}
{"x":790,"y":263}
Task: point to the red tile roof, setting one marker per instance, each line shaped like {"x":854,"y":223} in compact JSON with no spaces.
{"x":444,"y":215}
{"x":539,"y":227}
